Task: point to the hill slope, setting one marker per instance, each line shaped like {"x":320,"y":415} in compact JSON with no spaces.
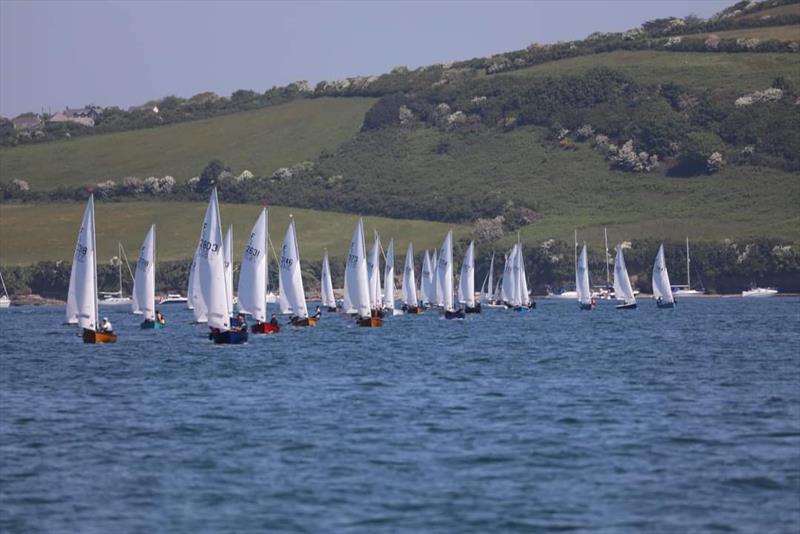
{"x":261,"y":141}
{"x":31,"y":233}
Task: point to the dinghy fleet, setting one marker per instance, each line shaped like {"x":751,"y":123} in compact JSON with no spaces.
{"x":210,"y":293}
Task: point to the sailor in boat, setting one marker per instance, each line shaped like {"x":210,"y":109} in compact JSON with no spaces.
{"x":317,"y":313}
{"x":238,"y":323}
{"x":106,"y":327}
{"x":160,"y":319}
{"x":273,"y":320}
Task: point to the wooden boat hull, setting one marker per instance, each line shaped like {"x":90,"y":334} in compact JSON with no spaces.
{"x":151,"y":325}
{"x":334,"y":309}
{"x":308,"y":321}
{"x":585,"y":306}
{"x":265,"y":328}
{"x":230,"y":337}
{"x":90,"y":336}
{"x":414,"y":310}
{"x":458,"y":314}
{"x":626,"y":306}
{"x":474,"y":309}
{"x":370,"y":322}
{"x":665,"y":305}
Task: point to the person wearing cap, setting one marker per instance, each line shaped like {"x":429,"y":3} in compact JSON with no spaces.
{"x":106,"y":326}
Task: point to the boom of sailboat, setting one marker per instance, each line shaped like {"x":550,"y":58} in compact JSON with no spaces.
{"x":210,"y":292}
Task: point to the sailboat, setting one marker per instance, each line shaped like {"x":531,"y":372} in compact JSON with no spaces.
{"x":388,"y":281}
{"x":252,"y":289}
{"x":687,"y":291}
{"x":292,"y":280}
{"x":444,"y":272}
{"x":525,"y":302}
{"x":438,"y":292}
{"x":409,"y":289}
{"x":194,"y":299}
{"x":426,"y":285}
{"x":144,"y":282}
{"x":585,"y":300}
{"x":374,"y":276}
{"x":227,"y":250}
{"x":466,"y":282}
{"x":5,"y":302}
{"x":508,"y":280}
{"x":115,"y":298}
{"x":357,"y":280}
{"x":82,"y":299}
{"x":210,"y":273}
{"x":326,"y":286}
{"x":622,"y":283}
{"x":662,"y":291}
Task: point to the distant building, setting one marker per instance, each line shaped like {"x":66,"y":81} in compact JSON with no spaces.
{"x":86,"y":116}
{"x":26,"y":121}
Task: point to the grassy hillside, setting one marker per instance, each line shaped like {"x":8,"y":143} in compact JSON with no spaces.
{"x":261,"y":141}
{"x":31,"y":233}
{"x":730,"y":73}
{"x":568,"y":189}
{"x":780,"y":33}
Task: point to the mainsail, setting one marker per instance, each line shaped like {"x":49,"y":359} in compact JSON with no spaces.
{"x":144,"y":282}
{"x":252,"y":288}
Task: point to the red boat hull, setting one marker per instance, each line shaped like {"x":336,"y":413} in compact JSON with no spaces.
{"x":265,"y":328}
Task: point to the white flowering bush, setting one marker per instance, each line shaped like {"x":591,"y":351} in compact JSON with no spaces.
{"x":509,"y":123}
{"x":244,"y":176}
{"x":442,"y":109}
{"x":192,"y":182}
{"x":794,"y":46}
{"x":626,"y":158}
{"x":748,"y":43}
{"x":584,"y":132}
{"x":284,"y":173}
{"x":498,"y":64}
{"x":478,"y":99}
{"x":714,"y":163}
{"x":21,"y":185}
{"x":673,"y":41}
{"x":632,"y":34}
{"x":405,"y":115}
{"x":106,"y":188}
{"x":772,"y":94}
{"x":456,"y":119}
{"x":601,"y":141}
{"x":712,"y":42}
{"x":132,"y":184}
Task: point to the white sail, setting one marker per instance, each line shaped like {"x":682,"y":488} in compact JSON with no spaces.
{"x":373,"y":272}
{"x":355,"y":273}
{"x":71,"y":312}
{"x":426,"y":285}
{"x":195,"y":300}
{"x":523,"y":297}
{"x":622,"y":284}
{"x":84,"y":272}
{"x":252,"y":288}
{"x":438,"y":294}
{"x":326,"y":285}
{"x":211,"y":268}
{"x":509,"y":288}
{"x":582,"y":278}
{"x":291,"y":274}
{"x":444,"y":271}
{"x":144,"y":282}
{"x":227,"y":248}
{"x":466,"y":283}
{"x":498,"y":291}
{"x":661,"y":285}
{"x":488,"y":283}
{"x":283,"y":302}
{"x":409,"y":280}
{"x":388,"y":278}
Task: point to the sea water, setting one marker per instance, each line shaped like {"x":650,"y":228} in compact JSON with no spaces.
{"x":683,"y":420}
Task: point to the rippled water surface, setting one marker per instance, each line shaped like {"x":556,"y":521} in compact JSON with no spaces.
{"x":684,"y":420}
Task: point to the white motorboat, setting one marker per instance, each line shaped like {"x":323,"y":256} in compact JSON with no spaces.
{"x":760,"y":292}
{"x":173,"y":298}
{"x":5,"y":302}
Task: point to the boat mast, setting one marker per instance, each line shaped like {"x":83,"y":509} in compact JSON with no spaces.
{"x":688,"y":268}
{"x":119,"y":264}
{"x":608,"y":272}
{"x":5,"y":291}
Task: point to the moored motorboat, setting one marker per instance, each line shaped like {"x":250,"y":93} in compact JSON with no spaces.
{"x":760,"y":292}
{"x":172,"y":298}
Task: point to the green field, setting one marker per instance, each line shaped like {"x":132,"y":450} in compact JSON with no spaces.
{"x":779,"y":33}
{"x":570,"y":189}
{"x":728,"y":73}
{"x":31,"y":233}
{"x":260,"y":141}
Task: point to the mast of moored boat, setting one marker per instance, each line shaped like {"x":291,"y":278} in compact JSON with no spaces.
{"x":688,"y":266}
{"x":608,"y":270}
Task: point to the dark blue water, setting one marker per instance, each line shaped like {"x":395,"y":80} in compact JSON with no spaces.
{"x":684,"y":420}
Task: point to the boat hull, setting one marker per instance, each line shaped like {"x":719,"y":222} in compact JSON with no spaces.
{"x":665,"y":305}
{"x":308,"y":321}
{"x":474,"y":309}
{"x":334,"y":309}
{"x":265,"y":328}
{"x":414,"y":310}
{"x":631,"y":306}
{"x":759,"y":293}
{"x":229,"y":338}
{"x":370,"y":322}
{"x":585,"y":306}
{"x":458,"y":314}
{"x":96,"y":338}
{"x":151,"y":325}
